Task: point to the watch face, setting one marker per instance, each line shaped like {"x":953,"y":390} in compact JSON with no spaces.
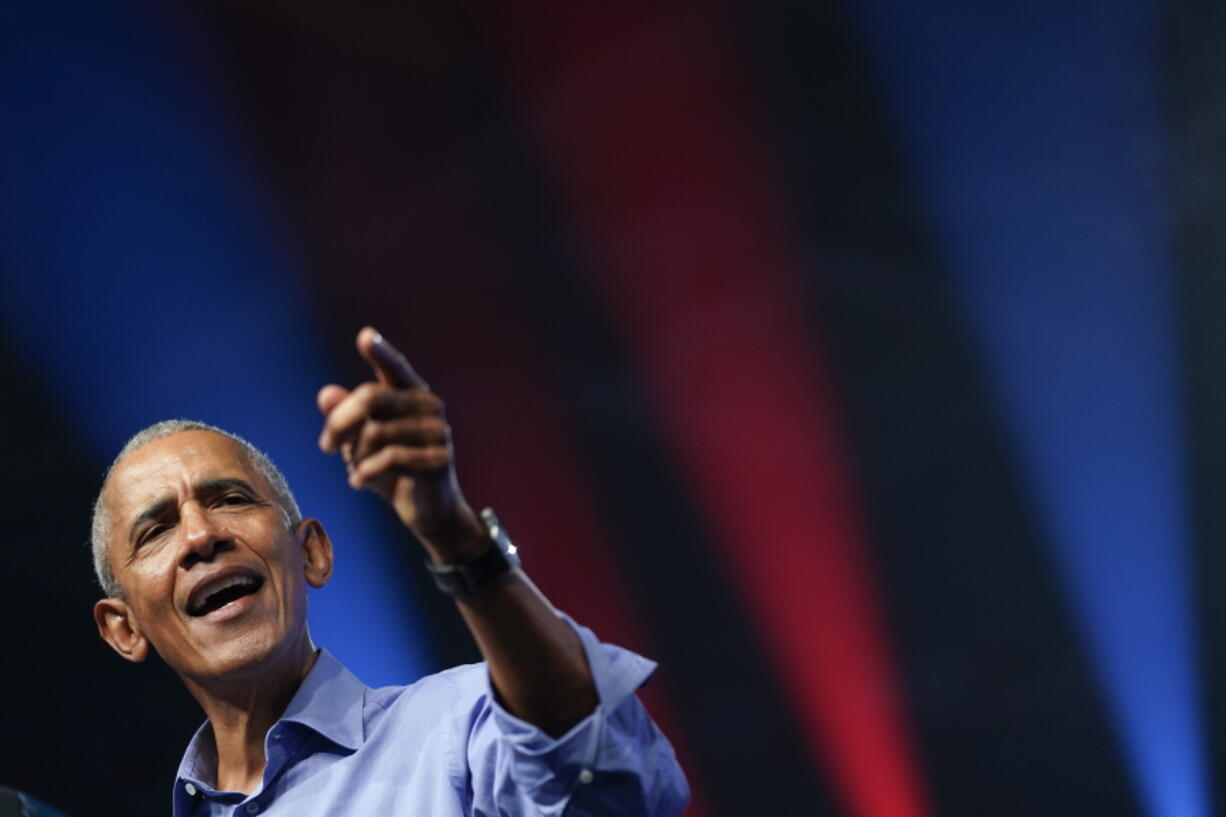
{"x":499,"y":536}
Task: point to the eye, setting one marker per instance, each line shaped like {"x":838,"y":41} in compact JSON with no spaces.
{"x":234,"y":499}
{"x":152,"y":533}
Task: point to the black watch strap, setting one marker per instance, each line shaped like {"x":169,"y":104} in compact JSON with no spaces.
{"x":464,"y":578}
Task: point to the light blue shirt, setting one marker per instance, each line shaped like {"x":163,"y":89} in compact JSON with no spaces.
{"x":444,"y":747}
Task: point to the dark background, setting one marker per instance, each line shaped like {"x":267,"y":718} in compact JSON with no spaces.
{"x":860,"y":362}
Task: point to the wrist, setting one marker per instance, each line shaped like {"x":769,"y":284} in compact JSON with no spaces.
{"x":461,"y":538}
{"x":496,"y":559}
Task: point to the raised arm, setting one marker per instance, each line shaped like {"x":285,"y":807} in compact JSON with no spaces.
{"x":393,"y":436}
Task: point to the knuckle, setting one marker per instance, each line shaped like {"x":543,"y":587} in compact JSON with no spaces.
{"x":415,"y":425}
{"x":375,"y":463}
{"x":365,"y":392}
{"x":398,"y":431}
{"x":388,"y":404}
{"x":335,"y":422}
{"x":373,"y":433}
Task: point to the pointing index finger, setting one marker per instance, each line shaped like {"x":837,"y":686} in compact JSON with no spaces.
{"x":391,"y":367}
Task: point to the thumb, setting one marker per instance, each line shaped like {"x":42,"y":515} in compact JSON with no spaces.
{"x":329,"y":397}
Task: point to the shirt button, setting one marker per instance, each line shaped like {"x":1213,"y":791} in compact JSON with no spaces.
{"x":253,"y":807}
{"x":586,"y":776}
{"x":190,"y":789}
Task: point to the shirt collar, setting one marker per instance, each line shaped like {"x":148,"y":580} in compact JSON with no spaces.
{"x":330,"y":701}
{"x":199,"y":764}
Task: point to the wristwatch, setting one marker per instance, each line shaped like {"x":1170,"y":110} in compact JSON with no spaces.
{"x":465,"y":578}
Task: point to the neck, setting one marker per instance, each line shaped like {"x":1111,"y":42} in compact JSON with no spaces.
{"x":242,"y":707}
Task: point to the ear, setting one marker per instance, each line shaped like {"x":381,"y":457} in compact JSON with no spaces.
{"x":119,"y":629}
{"x":316,"y":552}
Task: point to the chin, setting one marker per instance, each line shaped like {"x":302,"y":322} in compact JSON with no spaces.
{"x":244,"y":639}
{"x":242,"y":653}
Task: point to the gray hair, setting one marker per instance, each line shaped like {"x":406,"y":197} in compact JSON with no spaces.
{"x":99,"y":531}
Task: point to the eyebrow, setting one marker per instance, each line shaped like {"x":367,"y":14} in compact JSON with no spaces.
{"x":207,"y":488}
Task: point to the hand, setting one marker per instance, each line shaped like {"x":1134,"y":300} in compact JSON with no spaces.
{"x":395,"y":440}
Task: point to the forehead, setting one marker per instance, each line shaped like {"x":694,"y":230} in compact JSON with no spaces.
{"x":169,"y":465}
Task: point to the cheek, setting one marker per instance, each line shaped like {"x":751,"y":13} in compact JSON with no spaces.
{"x":286,"y":566}
{"x":151,"y":582}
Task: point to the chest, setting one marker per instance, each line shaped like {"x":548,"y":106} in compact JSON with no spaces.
{"x":406,"y":777}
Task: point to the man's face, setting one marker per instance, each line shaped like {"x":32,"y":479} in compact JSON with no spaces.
{"x":211,"y":575}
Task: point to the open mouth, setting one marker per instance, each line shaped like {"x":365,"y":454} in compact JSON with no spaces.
{"x":218,"y":593}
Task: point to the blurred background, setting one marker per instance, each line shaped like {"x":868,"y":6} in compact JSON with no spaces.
{"x":861,"y":362}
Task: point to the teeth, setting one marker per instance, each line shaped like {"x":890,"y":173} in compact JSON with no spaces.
{"x":220,"y":585}
{"x":225,"y":584}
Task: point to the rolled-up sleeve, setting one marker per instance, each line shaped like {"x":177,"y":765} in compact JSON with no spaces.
{"x":613,"y":762}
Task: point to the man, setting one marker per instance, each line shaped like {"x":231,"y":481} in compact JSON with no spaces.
{"x":205,"y":558}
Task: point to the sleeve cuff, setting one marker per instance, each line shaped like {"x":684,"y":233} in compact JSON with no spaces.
{"x":617,"y":673}
{"x":547,"y":770}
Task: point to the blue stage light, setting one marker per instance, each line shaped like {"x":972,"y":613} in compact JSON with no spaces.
{"x":1036,"y":136}
{"x":143,"y":281}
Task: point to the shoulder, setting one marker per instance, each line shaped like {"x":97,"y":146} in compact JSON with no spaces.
{"x":432,"y":720}
{"x":457,"y":696}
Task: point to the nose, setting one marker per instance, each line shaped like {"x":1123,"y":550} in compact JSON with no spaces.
{"x":203,"y":538}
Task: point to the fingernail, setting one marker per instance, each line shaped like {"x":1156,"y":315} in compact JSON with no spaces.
{"x":377,"y":339}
